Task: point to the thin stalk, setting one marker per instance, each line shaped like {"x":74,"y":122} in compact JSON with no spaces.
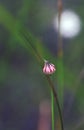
{"x":60,"y":70}
{"x":60,"y":62}
{"x":60,"y":50}
{"x":56,"y":99}
{"x":28,"y":39}
{"x":52,"y":109}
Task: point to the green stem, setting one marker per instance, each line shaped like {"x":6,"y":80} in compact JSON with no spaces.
{"x":52,"y":105}
{"x":28,"y":39}
{"x":56,"y":99}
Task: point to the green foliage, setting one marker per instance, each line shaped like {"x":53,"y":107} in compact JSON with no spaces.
{"x":67,"y":75}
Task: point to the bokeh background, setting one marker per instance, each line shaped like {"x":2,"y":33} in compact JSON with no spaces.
{"x":24,"y":91}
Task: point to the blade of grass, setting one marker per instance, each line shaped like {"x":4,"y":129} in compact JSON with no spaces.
{"x":52,"y":105}
{"x":60,"y":69}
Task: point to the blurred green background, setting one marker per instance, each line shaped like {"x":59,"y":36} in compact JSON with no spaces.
{"x":22,"y":84}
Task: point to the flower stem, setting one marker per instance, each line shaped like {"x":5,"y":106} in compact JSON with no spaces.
{"x":56,"y":99}
{"x":29,"y":39}
{"x":52,"y":105}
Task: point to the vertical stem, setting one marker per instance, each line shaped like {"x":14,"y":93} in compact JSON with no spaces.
{"x":60,"y":51}
{"x":60,"y":55}
{"x":56,"y":99}
{"x":52,"y":109}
